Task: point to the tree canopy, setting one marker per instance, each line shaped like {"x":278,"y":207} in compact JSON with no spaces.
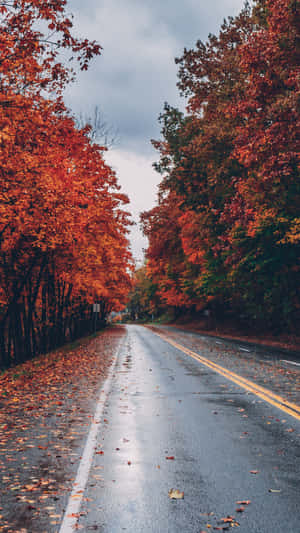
{"x":63,"y":222}
{"x":230,"y":172}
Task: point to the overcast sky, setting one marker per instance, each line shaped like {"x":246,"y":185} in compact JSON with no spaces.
{"x":135,"y":75}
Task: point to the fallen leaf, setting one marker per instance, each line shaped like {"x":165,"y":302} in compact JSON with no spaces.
{"x":254,"y":471}
{"x":175,"y":494}
{"x":170,"y":458}
{"x":228,"y":519}
{"x":274,"y":490}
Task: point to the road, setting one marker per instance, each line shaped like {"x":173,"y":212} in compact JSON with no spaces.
{"x":172,"y":422}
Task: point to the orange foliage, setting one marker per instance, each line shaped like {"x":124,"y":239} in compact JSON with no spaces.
{"x":226,"y":229}
{"x":63,"y":227}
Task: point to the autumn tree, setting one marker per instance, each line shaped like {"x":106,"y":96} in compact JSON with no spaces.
{"x":167,"y":266}
{"x":143,"y":301}
{"x":231,"y":165}
{"x":63,"y":228}
{"x":265,"y":239}
{"x":196,"y":157}
{"x":100,"y":131}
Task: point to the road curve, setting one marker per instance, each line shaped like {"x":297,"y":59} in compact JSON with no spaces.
{"x":171,"y":422}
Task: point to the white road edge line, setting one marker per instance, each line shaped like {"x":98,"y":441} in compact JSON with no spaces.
{"x":290,"y":362}
{"x":244,"y":349}
{"x":71,"y":517}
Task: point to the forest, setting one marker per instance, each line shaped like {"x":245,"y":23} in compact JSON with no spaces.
{"x":63,"y":219}
{"x":224,"y":236}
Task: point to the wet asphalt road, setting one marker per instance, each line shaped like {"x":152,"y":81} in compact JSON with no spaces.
{"x":162,"y":404}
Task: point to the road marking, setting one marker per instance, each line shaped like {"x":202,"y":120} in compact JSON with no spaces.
{"x":71,"y":514}
{"x":289,"y":362}
{"x":244,"y":349}
{"x":278,"y":401}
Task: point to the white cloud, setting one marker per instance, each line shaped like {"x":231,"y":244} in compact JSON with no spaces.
{"x":139,"y":181}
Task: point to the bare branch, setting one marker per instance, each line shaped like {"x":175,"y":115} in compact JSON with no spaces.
{"x":101,"y":132}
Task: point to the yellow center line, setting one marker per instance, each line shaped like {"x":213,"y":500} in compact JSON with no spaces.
{"x":278,"y":401}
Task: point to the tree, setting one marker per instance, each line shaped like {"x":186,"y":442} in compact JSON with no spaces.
{"x":230,"y":168}
{"x":196,"y":158}
{"x":99,"y":130}
{"x":264,"y":212}
{"x":63,"y":227}
{"x":166,"y":264}
{"x":143,"y":302}
{"x":30,"y":60}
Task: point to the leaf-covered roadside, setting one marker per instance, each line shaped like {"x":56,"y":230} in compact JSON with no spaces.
{"x":46,"y":408}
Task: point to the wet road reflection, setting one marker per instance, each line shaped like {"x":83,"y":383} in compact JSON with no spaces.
{"x":169,"y":423}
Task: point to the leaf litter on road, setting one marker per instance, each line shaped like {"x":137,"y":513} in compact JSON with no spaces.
{"x":47,"y":406}
{"x":175,"y":494}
